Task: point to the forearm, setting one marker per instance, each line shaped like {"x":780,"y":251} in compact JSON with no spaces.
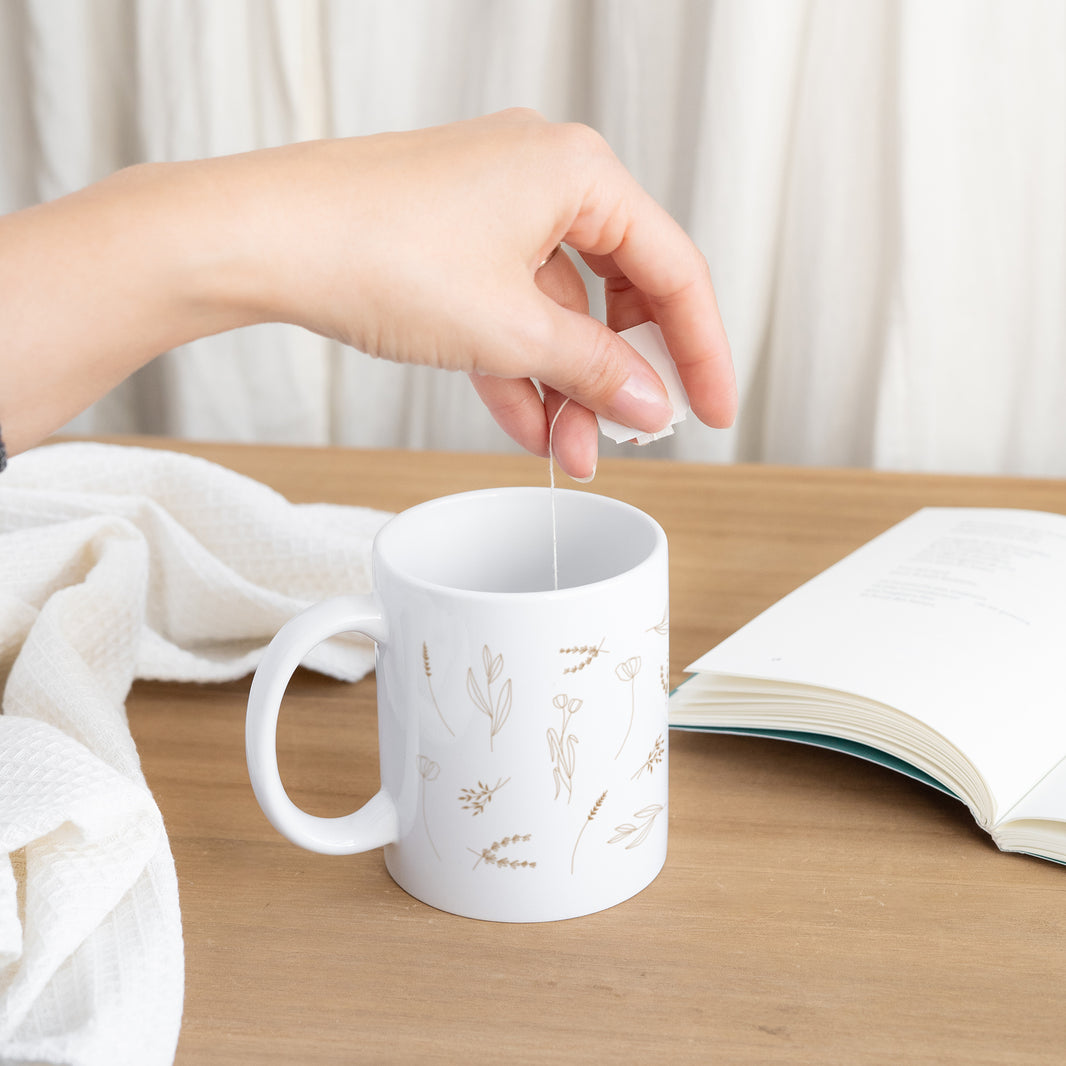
{"x":95,"y":284}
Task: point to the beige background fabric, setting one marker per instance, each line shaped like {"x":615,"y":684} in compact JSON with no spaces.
{"x":878,"y":187}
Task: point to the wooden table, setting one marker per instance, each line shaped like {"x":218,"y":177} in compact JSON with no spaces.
{"x":813,"y":909}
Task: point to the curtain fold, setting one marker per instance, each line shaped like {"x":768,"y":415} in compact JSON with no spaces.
{"x":878,"y":188}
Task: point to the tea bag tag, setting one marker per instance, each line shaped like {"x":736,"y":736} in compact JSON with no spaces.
{"x":647,"y":338}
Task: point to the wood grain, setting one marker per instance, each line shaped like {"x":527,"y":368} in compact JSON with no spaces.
{"x":814,"y":909}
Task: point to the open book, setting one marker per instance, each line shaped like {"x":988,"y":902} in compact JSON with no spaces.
{"x":938,"y":648}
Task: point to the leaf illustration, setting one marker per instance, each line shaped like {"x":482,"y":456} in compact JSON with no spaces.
{"x":492,"y":666}
{"x":475,"y":693}
{"x":571,"y":742}
{"x":496,"y":707}
{"x":647,"y":815}
{"x":503,"y":707}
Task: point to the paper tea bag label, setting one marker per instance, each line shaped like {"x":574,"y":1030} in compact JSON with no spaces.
{"x":647,"y":339}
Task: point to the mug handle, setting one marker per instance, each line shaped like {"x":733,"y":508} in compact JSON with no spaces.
{"x":375,"y":823}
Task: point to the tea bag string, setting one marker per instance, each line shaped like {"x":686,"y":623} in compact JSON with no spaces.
{"x":551,"y":485}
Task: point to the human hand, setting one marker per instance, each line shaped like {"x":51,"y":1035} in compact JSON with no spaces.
{"x":429,"y":247}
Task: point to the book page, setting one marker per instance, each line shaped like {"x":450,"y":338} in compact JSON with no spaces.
{"x":956,"y":617}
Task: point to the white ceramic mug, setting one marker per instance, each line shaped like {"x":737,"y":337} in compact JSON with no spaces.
{"x":522,"y":728}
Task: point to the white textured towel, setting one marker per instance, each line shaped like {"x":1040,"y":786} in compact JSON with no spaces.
{"x":119,"y":563}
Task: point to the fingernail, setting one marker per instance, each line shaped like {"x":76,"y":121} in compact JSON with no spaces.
{"x":586,"y":480}
{"x":641,"y":403}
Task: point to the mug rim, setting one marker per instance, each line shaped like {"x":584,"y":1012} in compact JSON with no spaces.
{"x":380,"y":551}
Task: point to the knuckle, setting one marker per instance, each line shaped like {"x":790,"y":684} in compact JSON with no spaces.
{"x":582,"y":140}
{"x":522,"y":114}
{"x":598,"y":372}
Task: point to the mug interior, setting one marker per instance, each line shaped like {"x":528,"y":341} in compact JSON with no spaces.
{"x":500,"y":540}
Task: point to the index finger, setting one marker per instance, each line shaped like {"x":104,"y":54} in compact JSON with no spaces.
{"x":652,"y":269}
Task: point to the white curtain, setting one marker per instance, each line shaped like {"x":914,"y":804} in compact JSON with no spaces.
{"x":879,"y":188}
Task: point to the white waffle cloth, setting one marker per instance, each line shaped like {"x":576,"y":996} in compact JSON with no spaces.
{"x":119,"y":563}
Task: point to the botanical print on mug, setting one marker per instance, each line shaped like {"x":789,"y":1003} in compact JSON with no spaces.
{"x":562,"y":746}
{"x":627,"y":672}
{"x":584,"y":825}
{"x":655,"y":757}
{"x":477,"y":799}
{"x":428,"y":671}
{"x":638,"y":686}
{"x":496,"y":710}
{"x":637,"y":834}
{"x":582,"y":655}
{"x":428,"y":770}
{"x":492,"y":856}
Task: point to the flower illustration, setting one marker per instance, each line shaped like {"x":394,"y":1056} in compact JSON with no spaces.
{"x":627,"y":672}
{"x":428,"y":770}
{"x":562,"y":747}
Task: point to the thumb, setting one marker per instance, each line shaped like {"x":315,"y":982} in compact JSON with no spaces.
{"x":593,"y":365}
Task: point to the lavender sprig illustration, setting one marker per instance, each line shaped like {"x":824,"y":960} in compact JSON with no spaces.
{"x":585,"y":824}
{"x":429,"y":680}
{"x":491,"y":855}
{"x":585,"y":653}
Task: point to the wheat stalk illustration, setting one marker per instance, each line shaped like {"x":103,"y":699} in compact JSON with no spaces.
{"x":627,"y":672}
{"x":496,"y":710}
{"x":429,"y":771}
{"x":563,"y":747}
{"x":429,"y":680}
{"x":491,"y":855}
{"x":664,"y":681}
{"x":476,"y":799}
{"x":586,"y":652}
{"x":585,"y":824}
{"x":639,"y":833}
{"x":655,"y":756}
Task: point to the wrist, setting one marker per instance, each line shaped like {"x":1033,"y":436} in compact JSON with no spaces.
{"x":199,"y":265}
